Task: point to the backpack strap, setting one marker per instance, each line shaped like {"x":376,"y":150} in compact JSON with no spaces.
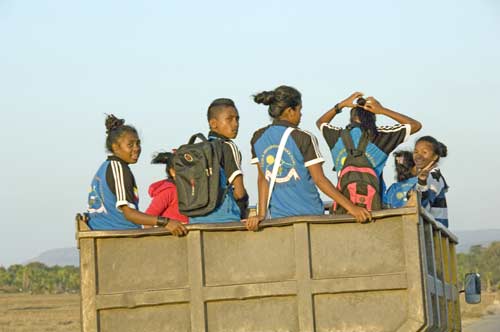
{"x":277,"y":162}
{"x":345,"y":134}
{"x":363,"y":142}
{"x":198,"y":135}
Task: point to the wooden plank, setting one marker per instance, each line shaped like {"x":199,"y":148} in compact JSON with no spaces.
{"x":305,"y":303}
{"x":196,"y":282}
{"x":88,"y":285}
{"x":349,"y":284}
{"x":238,"y":226}
{"x":137,"y":299}
{"x":248,"y":291}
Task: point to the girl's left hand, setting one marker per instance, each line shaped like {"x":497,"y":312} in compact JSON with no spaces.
{"x":373,"y":105}
{"x":252,"y":223}
{"x":423,"y":173}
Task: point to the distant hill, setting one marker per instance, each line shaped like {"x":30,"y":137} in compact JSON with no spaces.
{"x":70,"y":256}
{"x":484,"y":237}
{"x":61,"y":257}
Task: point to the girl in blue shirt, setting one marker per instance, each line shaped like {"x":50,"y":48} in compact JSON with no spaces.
{"x":396,"y":195}
{"x":382,"y":139}
{"x":300,"y":168}
{"x":113,"y":200}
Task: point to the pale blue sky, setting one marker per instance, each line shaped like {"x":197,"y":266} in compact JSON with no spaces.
{"x":158,"y":64}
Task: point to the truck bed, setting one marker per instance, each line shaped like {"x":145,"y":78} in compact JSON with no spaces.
{"x":308,"y":273}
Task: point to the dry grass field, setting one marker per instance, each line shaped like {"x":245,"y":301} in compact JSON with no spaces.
{"x":61,"y":313}
{"x":39,"y":313}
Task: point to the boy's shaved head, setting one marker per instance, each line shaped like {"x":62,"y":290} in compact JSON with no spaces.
{"x":218,"y":105}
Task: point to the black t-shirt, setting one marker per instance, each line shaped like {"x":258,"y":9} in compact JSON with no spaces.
{"x":231,"y":157}
{"x":121,"y":182}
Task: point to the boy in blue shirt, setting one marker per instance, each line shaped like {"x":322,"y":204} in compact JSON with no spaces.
{"x":223,"y":119}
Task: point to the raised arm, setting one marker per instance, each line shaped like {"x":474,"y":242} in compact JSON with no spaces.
{"x":327,"y":187}
{"x":329,"y":115}
{"x":374,"y":106}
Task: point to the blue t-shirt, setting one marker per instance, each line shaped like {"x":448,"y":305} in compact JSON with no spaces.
{"x":294,"y":192}
{"x":112,"y":186}
{"x":230,"y":168}
{"x":396,"y":195}
{"x":377,"y":150}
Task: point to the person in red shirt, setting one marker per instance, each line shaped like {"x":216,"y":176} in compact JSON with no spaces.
{"x":163,"y":193}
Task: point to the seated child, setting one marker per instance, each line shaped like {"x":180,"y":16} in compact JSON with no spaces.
{"x":300,"y":169}
{"x":113,"y":201}
{"x":163,"y":193}
{"x":431,"y":183}
{"x":396,"y":195}
{"x":382,"y":139}
{"x":223,"y":120}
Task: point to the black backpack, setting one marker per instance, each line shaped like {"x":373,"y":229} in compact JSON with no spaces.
{"x":357,"y":179}
{"x":197,"y":176}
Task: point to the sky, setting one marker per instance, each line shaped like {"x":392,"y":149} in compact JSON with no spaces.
{"x":159,"y":64}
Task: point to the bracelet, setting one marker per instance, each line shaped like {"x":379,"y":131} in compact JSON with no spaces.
{"x":162,"y":221}
{"x":337,"y":109}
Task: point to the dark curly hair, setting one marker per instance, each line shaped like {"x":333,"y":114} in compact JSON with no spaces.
{"x":115,"y":128}
{"x":367,"y":119}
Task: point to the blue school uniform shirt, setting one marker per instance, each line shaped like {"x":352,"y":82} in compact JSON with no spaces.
{"x":112,"y":186}
{"x":228,"y":210}
{"x":396,"y":195}
{"x":377,"y":150}
{"x":294,"y":192}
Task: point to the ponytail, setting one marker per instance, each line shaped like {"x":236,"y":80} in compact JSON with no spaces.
{"x":279,"y":100}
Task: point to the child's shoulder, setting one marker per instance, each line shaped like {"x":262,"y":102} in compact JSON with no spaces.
{"x":259,"y":132}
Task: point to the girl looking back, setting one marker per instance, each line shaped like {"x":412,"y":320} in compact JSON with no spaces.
{"x":113,"y":202}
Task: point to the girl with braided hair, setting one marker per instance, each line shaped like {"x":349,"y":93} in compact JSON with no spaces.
{"x":113,"y":201}
{"x":164,"y":200}
{"x":382,"y":140}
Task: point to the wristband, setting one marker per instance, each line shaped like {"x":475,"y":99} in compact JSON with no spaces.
{"x":337,"y":109}
{"x":162,"y":221}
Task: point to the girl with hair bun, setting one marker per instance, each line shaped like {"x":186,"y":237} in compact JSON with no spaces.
{"x":113,"y":202}
{"x":430,"y":182}
{"x":300,"y":168}
{"x":164,"y":201}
